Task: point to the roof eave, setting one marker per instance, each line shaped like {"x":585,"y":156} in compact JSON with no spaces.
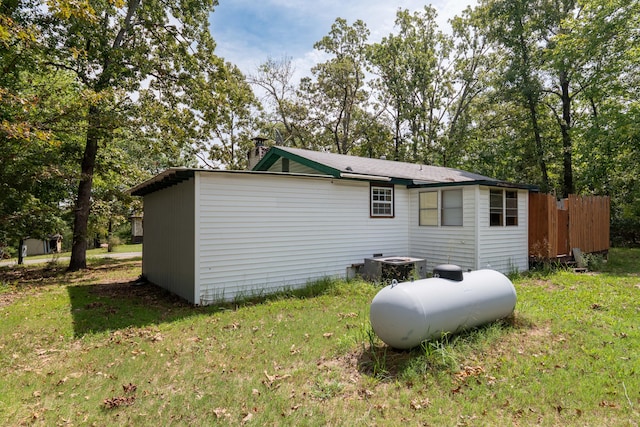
{"x":488,"y":183}
{"x":165,"y":179}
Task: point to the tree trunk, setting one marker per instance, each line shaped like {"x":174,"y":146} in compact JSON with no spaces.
{"x":538,"y":139}
{"x":83,"y":202}
{"x":567,"y":146}
{"x":20,"y":257}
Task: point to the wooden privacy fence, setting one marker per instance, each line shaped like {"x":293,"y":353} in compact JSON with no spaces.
{"x":575,"y":222}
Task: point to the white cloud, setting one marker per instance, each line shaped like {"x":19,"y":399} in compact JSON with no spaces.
{"x":249,"y":32}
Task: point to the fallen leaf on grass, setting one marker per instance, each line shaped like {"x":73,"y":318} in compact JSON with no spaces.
{"x":118,"y":401}
{"x":469,"y":371}
{"x":221,"y":412}
{"x":272,"y":379}
{"x":415,"y":404}
{"x":129,"y":388}
{"x":366,"y":393}
{"x":606,"y":404}
{"x":232,"y":326}
{"x":349,"y":315}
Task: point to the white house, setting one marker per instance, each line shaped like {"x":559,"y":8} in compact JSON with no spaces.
{"x":301,"y":215}
{"x":32,"y":246}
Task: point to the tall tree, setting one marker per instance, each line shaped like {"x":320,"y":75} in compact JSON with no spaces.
{"x":286,"y":115}
{"x":230,"y":123}
{"x":337,"y":91}
{"x":388,"y":60}
{"x":427,"y":81}
{"x":516,"y":28}
{"x":38,"y":116}
{"x":112,"y":48}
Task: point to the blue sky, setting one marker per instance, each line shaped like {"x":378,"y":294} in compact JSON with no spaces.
{"x":248,"y":32}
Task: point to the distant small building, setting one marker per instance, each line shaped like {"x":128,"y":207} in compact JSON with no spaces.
{"x":136,"y":228}
{"x":52,"y":244}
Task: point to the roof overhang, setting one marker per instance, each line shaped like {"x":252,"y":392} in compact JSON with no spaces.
{"x":165,"y":179}
{"x":173,"y":176}
{"x":486,"y":183}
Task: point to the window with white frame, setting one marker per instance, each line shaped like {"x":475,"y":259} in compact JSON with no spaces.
{"x":381,"y":201}
{"x":511,"y":207}
{"x":451,"y":208}
{"x":503,"y":208}
{"x":428,"y":208}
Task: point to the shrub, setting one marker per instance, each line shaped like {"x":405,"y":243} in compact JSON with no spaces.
{"x":113,"y":242}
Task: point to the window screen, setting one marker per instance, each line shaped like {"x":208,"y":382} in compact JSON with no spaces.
{"x":452,"y":207}
{"x":429,"y":208}
{"x":511,"y":200}
{"x":496,"y":209}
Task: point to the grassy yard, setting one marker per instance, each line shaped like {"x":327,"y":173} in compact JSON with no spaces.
{"x":93,"y":348}
{"x":90,"y":253}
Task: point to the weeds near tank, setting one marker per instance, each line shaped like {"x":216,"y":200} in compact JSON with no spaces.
{"x":374,"y":360}
{"x":440,"y":353}
{"x":378,"y":355}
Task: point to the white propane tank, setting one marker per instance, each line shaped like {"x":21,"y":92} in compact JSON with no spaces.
{"x":405,"y":314}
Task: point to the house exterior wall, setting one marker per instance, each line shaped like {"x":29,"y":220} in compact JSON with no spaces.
{"x":445,"y":244}
{"x":258,"y":235}
{"x":293,"y":167}
{"x":169,"y":247}
{"x":503,"y":248}
{"x":36,"y":246}
{"x":475,"y":245}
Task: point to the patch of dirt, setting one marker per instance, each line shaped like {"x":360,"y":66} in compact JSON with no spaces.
{"x":547,"y":284}
{"x":30,"y":275}
{"x":18,"y":281}
{"x":7,"y":298}
{"x":148,"y":293}
{"x":15,"y":281}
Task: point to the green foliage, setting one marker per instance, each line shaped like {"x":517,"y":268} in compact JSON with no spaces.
{"x":335,"y":98}
{"x":37,"y":154}
{"x":144,"y":91}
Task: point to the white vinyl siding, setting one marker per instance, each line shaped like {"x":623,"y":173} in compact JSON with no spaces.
{"x":168,"y":256}
{"x":474,"y":245}
{"x":504,"y":248}
{"x":293,"y":167}
{"x":445,"y":245}
{"x":261,"y":235}
{"x":223,"y":234}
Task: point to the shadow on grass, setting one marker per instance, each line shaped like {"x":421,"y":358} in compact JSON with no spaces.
{"x":123,"y":304}
{"x":435,"y":356}
{"x":112,"y":306}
